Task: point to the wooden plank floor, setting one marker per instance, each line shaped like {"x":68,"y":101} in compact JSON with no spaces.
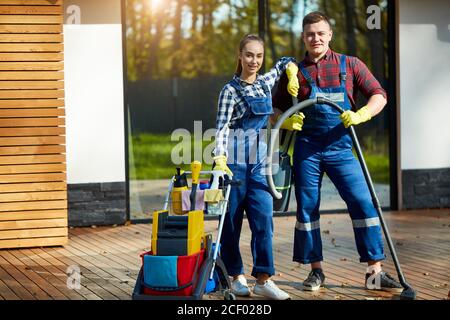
{"x":108,"y":258}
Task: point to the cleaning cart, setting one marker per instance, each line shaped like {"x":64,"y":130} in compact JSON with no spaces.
{"x":185,"y":263}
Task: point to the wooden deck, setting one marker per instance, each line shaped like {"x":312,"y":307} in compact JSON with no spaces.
{"x":108,"y":258}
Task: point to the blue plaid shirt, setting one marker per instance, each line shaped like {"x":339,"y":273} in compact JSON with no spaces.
{"x":232,"y":106}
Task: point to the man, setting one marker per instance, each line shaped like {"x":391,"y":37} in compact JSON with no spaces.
{"x":324,"y":146}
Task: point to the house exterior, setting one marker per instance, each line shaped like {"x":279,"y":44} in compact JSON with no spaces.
{"x":33,"y":188}
{"x":423,"y":43}
{"x":72,"y":84}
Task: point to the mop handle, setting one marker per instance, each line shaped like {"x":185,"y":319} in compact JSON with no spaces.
{"x":288,"y":134}
{"x":376,"y":203}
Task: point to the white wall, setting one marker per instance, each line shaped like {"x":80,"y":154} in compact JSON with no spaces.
{"x":94,"y":93}
{"x":424,"y":83}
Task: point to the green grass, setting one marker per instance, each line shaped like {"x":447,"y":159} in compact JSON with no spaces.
{"x":375,"y":150}
{"x":150,"y":158}
{"x":378,"y":167}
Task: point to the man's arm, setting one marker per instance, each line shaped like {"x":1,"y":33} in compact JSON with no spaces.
{"x":369,"y":86}
{"x":376,"y":104}
{"x":371,"y":89}
{"x":277,"y":70}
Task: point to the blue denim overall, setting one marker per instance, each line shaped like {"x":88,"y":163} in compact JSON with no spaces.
{"x":325,"y":146}
{"x":252,"y":195}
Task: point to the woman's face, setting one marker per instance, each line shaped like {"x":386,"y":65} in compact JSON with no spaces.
{"x":251,"y":58}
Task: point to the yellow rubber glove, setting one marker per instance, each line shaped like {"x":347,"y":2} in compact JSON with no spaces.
{"x":294,"y":122}
{"x":350,"y":118}
{"x":221,"y":164}
{"x":293,"y":85}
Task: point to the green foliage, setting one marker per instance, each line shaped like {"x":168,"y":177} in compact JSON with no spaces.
{"x":192,"y":38}
{"x":199,"y":39}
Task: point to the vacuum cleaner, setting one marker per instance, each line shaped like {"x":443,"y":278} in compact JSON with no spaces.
{"x":408,"y":292}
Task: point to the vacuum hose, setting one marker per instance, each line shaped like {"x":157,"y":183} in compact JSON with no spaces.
{"x":408,"y":292}
{"x":273,"y":138}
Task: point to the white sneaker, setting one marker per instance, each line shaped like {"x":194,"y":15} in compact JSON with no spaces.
{"x":270,"y":290}
{"x":239,"y":287}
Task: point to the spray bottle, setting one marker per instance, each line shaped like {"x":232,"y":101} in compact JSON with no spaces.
{"x":179,"y":184}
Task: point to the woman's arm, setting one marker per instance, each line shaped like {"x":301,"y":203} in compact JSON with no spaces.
{"x":277,"y":70}
{"x":224,"y":113}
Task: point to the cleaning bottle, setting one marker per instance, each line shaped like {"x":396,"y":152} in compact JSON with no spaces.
{"x":179,"y":184}
{"x":214,"y":195}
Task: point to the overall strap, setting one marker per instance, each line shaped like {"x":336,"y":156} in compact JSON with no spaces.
{"x":234,"y":83}
{"x":306,"y":74}
{"x":266,"y":89}
{"x":343,"y":71}
{"x":241,"y":91}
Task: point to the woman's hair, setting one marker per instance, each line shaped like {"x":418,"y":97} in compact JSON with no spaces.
{"x":246,"y":39}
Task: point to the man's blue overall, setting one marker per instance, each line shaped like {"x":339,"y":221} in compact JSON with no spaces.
{"x":252,"y":195}
{"x":325,"y":146}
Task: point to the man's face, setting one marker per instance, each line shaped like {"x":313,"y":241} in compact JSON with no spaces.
{"x":317,"y":37}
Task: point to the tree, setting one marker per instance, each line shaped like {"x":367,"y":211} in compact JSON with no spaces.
{"x":269,"y":32}
{"x":350,"y":7}
{"x":375,"y":38}
{"x":177,"y":39}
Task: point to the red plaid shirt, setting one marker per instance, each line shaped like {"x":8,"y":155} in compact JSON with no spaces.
{"x":325,"y":73}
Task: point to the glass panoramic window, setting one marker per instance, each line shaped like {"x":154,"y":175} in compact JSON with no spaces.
{"x":181,"y":53}
{"x":179,"y":56}
{"x":360,"y":28}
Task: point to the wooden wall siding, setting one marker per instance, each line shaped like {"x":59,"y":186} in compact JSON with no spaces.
{"x":33,"y":187}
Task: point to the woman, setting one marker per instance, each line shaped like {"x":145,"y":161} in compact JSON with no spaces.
{"x":245,"y":104}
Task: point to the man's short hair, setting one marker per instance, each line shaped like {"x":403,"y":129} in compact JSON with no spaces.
{"x":315,"y":17}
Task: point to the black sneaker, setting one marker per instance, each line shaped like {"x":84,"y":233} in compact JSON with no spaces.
{"x":383,"y":281}
{"x":315,"y":280}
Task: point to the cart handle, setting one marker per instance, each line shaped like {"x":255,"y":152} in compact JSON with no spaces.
{"x":208,"y":172}
{"x":170,"y":187}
